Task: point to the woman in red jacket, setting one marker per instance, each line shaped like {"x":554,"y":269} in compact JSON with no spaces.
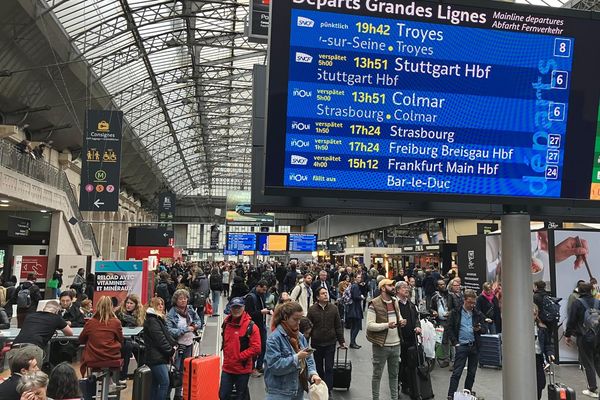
{"x":102,"y":337}
{"x":241,"y":343}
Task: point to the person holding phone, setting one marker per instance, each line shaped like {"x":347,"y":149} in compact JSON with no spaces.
{"x":465,"y":326}
{"x":289,"y":364}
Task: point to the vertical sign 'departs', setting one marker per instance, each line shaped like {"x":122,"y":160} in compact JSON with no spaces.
{"x":101,"y":161}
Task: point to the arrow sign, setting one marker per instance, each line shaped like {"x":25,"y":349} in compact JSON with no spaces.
{"x":98,"y":203}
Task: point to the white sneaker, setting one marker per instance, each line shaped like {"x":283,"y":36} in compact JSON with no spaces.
{"x":590,"y":393}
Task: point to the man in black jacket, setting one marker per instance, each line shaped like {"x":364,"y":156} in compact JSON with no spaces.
{"x":326,"y":330}
{"x":34,"y":296}
{"x":70,"y":310}
{"x":21,"y":361}
{"x":322,"y":282}
{"x":588,"y":340}
{"x":256,"y":308}
{"x":410,"y":327}
{"x":465,"y":325}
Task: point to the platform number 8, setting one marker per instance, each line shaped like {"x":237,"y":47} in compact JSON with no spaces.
{"x":562,"y":47}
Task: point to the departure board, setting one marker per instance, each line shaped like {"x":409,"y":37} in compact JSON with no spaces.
{"x":421,"y":97}
{"x":241,"y":241}
{"x":272,"y":242}
{"x":302,"y":242}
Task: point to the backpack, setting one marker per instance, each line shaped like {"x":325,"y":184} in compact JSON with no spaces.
{"x":244,"y":340}
{"x":24,"y":298}
{"x":198,"y":299}
{"x":162,"y":291}
{"x":591,"y":318}
{"x":215,"y":282}
{"x":550,"y":312}
{"x":347,"y":296}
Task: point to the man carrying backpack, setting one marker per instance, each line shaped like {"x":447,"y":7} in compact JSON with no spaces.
{"x":584,"y":323}
{"x":26,"y":297}
{"x":241,"y":343}
{"x":548,"y":306}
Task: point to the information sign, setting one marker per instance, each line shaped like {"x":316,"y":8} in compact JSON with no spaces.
{"x":431,"y":98}
{"x":166,"y":207}
{"x":302,"y":242}
{"x":241,"y":241}
{"x":18,"y":227}
{"x":101,"y":161}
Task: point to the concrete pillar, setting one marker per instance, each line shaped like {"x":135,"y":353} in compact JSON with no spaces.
{"x":518,"y":351}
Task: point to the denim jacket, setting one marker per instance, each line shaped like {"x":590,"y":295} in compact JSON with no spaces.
{"x":172,"y":318}
{"x":282,"y":364}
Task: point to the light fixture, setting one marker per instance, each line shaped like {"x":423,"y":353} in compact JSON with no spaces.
{"x":43,"y":211}
{"x":4,"y":201}
{"x":4,"y":205}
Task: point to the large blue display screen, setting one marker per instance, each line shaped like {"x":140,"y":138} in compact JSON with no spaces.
{"x":241,"y":242}
{"x":302,"y":242}
{"x":429,"y":98}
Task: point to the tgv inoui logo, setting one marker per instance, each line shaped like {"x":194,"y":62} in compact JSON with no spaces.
{"x":305,"y":22}
{"x":298,"y":177}
{"x":299,"y":160}
{"x":300,"y":143}
{"x":302,"y":93}
{"x":303,"y":58}
{"x":300,"y":126}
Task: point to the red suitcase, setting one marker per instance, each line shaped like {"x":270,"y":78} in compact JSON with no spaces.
{"x":201,"y":377}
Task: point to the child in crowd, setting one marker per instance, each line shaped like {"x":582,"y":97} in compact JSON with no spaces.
{"x":86,"y":309}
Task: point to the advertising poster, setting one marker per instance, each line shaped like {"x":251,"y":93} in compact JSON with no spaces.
{"x":540,"y":260}
{"x":239,"y":213}
{"x":118,"y":279}
{"x":471,"y":259}
{"x":569,"y":270}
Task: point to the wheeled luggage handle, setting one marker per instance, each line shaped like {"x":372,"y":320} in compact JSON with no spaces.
{"x":551,"y":373}
{"x":337,"y":359}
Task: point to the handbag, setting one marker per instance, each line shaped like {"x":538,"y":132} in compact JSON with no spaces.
{"x":318,"y":392}
{"x":464,"y":395}
{"x":175,"y":377}
{"x":52,"y":284}
{"x":208,"y":309}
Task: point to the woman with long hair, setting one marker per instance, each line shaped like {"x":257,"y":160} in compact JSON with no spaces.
{"x":183,"y":323}
{"x":102,"y":336}
{"x":160,"y":347}
{"x":289,"y":367}
{"x":131,"y":314}
{"x":63,"y":383}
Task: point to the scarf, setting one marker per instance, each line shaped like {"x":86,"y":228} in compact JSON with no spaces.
{"x":183,"y":313}
{"x":489,"y":297}
{"x":294,"y":339}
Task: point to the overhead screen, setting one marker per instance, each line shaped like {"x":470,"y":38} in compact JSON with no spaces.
{"x":265,"y":243}
{"x":372,"y":97}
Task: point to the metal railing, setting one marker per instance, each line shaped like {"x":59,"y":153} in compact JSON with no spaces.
{"x":40,"y":170}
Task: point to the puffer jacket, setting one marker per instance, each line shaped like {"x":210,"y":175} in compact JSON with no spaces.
{"x":159,"y":342}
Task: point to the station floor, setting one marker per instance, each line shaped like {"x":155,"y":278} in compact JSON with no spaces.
{"x":488,"y":382}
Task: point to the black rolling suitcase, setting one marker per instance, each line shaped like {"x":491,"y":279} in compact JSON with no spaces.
{"x":342,"y":371}
{"x":558,"y":391}
{"x":421,"y":388}
{"x":142,"y":383}
{"x":490,"y":351}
